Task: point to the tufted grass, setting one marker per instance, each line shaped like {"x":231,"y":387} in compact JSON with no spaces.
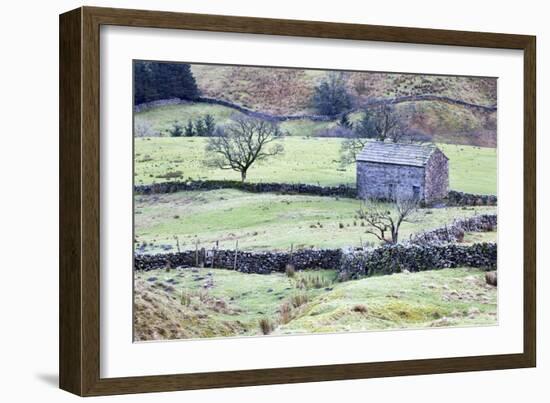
{"x":238,"y":303}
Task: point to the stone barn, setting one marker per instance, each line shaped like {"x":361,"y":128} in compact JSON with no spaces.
{"x":393,"y":170}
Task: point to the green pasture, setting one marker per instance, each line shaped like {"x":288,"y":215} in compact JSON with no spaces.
{"x":265,"y":221}
{"x":305,"y":160}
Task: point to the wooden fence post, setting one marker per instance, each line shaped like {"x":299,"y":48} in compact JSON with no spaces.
{"x":177,"y":243}
{"x":236,"y":251}
{"x":197,"y":253}
{"x":214,"y":249}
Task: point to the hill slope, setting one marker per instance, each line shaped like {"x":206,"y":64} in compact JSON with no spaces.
{"x":175,"y":304}
{"x":289,"y":91}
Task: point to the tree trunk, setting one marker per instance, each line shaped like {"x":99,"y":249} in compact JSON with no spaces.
{"x":243,"y":176}
{"x":395,"y":235}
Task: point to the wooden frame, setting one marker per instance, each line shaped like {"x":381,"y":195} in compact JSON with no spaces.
{"x":79,"y":201}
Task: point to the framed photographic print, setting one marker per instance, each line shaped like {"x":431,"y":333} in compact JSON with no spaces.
{"x":250,"y":201}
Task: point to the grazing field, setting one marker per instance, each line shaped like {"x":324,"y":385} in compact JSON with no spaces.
{"x":265,"y":221}
{"x":197,"y":303}
{"x":450,"y":124}
{"x":306,"y":160}
{"x":163,"y":117}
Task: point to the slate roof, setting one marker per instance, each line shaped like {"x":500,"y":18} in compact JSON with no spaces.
{"x":398,"y":154}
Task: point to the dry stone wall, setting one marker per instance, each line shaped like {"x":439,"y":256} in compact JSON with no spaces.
{"x":353,"y":264}
{"x":454,"y":199}
{"x":286,"y":188}
{"x":414,"y":258}
{"x":246,"y":262}
{"x":455,"y":231}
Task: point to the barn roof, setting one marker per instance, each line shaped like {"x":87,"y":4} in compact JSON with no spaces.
{"x":397,"y":154}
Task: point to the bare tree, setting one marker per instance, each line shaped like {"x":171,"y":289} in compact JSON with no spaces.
{"x":143,"y":128}
{"x":243,"y":142}
{"x":350,"y":147}
{"x":381,"y":122}
{"x":386,"y":123}
{"x":386,"y":218}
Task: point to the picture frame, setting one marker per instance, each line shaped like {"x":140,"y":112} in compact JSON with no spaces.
{"x":80,"y":154}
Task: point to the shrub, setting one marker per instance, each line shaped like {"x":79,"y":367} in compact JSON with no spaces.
{"x":266,"y":326}
{"x":200,"y":129}
{"x":344,"y":122}
{"x":331,"y":96}
{"x":176,"y":130}
{"x":142,"y":128}
{"x":209,"y":125}
{"x":189,"y":129}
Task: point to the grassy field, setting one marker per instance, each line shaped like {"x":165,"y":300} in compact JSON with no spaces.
{"x":444,"y":123}
{"x":163,"y":117}
{"x":265,"y":221}
{"x":306,"y":160}
{"x":198,"y":303}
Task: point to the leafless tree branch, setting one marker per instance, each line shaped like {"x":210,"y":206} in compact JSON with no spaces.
{"x":243,"y":142}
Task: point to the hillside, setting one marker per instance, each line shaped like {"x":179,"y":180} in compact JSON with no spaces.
{"x":289,"y":91}
{"x":176,"y":304}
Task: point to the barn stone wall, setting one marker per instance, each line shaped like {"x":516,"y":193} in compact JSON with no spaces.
{"x":374,"y":179}
{"x":437,"y":177}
